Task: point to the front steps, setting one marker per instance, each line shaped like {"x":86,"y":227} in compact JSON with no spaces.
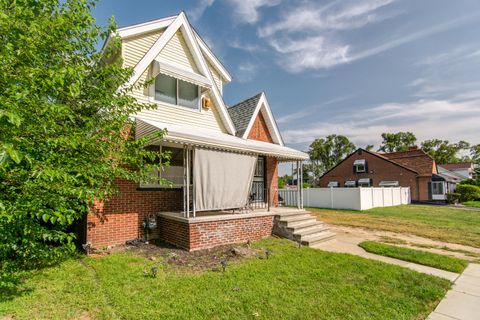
{"x":301,"y":226}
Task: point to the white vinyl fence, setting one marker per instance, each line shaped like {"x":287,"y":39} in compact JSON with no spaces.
{"x":347,"y":198}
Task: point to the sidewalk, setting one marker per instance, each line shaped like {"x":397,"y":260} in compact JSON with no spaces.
{"x":462,"y":302}
{"x":349,"y":244}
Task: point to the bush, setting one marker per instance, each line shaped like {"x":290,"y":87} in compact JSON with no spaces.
{"x":472,"y":182}
{"x":468,"y":192}
{"x":453,"y":197}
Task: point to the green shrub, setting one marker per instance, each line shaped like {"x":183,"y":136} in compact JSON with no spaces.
{"x":472,"y":182}
{"x":468,"y":192}
{"x":453,"y":197}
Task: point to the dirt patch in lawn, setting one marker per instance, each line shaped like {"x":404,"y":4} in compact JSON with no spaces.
{"x":196,"y":261}
{"x":412,"y":241}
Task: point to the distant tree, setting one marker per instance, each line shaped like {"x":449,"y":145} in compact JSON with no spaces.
{"x":443,"y":151}
{"x":325,"y":153}
{"x":475,"y":153}
{"x":369,"y":147}
{"x":400,"y":141}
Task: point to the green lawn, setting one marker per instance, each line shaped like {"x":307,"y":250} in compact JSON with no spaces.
{"x":294,"y":283}
{"x":421,"y":257}
{"x":472,"y":204}
{"x":434,"y":222}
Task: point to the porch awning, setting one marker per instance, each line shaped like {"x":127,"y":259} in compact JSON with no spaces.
{"x":389,"y":184}
{"x":350,"y":183}
{"x":216,"y":140}
{"x":185,"y":75}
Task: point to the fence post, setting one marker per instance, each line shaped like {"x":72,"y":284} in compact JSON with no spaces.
{"x":331,"y":197}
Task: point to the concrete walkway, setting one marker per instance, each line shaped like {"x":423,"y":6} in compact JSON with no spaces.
{"x":462,"y":302}
{"x":344,"y":243}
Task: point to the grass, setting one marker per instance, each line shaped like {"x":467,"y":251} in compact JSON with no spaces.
{"x":472,"y":204}
{"x":294,"y":283}
{"x":434,"y":222}
{"x":421,"y":257}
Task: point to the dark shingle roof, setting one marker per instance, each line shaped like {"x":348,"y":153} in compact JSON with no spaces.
{"x":242,"y":113}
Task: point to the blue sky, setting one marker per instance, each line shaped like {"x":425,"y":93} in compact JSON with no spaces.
{"x":352,"y":67}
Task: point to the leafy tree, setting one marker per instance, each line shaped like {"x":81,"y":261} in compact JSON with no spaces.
{"x":64,"y":127}
{"x":395,"y":142}
{"x":369,"y":147}
{"x":475,"y":153}
{"x":325,"y":153}
{"x":443,"y":151}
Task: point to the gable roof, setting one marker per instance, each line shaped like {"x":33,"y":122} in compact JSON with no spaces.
{"x":376,"y":154}
{"x":457,"y":166}
{"x":158,"y":24}
{"x":416,"y":159}
{"x":181,"y":23}
{"x":244,"y":113}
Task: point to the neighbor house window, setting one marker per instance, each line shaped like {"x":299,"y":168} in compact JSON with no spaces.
{"x":359,"y":166}
{"x":172,"y":170}
{"x":333,"y":184}
{"x":437,"y":188}
{"x":364,"y":182}
{"x":350,"y":184}
{"x":176,"y":92}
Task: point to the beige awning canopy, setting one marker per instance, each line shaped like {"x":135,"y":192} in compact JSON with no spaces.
{"x":179,"y":73}
{"x":206,"y":138}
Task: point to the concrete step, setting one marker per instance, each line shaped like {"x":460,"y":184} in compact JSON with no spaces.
{"x":299,"y":222}
{"x":295,"y":217}
{"x":291,"y":213}
{"x":318,"y":238}
{"x":308,"y":232}
{"x":308,"y":228}
{"x":294,"y":227}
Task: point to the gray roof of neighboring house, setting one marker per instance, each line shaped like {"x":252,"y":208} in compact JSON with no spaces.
{"x":242,"y":113}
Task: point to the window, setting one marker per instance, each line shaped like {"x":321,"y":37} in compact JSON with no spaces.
{"x":174,"y":172}
{"x":389,"y":184}
{"x":359,"y":166}
{"x":365,"y":182}
{"x":350,"y":184}
{"x":333,"y":184}
{"x":177,"y":92}
{"x":437,"y":188}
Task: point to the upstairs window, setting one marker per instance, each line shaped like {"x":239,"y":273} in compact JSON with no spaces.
{"x":333,"y":184}
{"x":360,"y":166}
{"x":177,"y":92}
{"x":350,"y":184}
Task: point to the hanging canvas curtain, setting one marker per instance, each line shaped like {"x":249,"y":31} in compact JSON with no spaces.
{"x":222,"y":179}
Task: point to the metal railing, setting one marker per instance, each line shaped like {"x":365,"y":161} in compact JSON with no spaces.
{"x":259,"y":197}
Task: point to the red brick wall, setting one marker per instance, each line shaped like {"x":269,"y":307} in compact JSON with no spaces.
{"x":378,"y":170}
{"x":272,"y":180}
{"x":259,"y":130}
{"x":120,"y":219}
{"x":203,"y":235}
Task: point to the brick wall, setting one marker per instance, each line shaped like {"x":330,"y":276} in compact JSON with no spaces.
{"x":378,"y":170}
{"x":272,"y":180}
{"x":259,"y":130}
{"x":203,"y":235}
{"x":120,"y":219}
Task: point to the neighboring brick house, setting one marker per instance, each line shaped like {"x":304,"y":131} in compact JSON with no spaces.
{"x":222,"y":159}
{"x":413,"y":168}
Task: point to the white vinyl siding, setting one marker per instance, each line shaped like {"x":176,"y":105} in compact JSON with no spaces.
{"x":216,"y":77}
{"x":177,"y":52}
{"x":133,"y":50}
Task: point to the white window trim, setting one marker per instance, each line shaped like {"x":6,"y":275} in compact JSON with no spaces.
{"x":152,"y":98}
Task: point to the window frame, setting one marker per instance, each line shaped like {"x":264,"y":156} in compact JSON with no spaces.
{"x":159,"y":174}
{"x":154,"y":98}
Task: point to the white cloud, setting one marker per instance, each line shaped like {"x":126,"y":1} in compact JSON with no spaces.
{"x":303,"y":113}
{"x":249,"y":47}
{"x":197,"y":12}
{"x":427,"y":119}
{"x":246,"y":72}
{"x":333,"y":16}
{"x":246,"y":11}
{"x":312,"y":37}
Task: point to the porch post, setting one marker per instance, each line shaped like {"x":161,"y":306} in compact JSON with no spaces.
{"x":301,"y":184}
{"x":188,"y":182}
{"x":184,"y":182}
{"x":194,"y":190}
{"x":298,"y":184}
